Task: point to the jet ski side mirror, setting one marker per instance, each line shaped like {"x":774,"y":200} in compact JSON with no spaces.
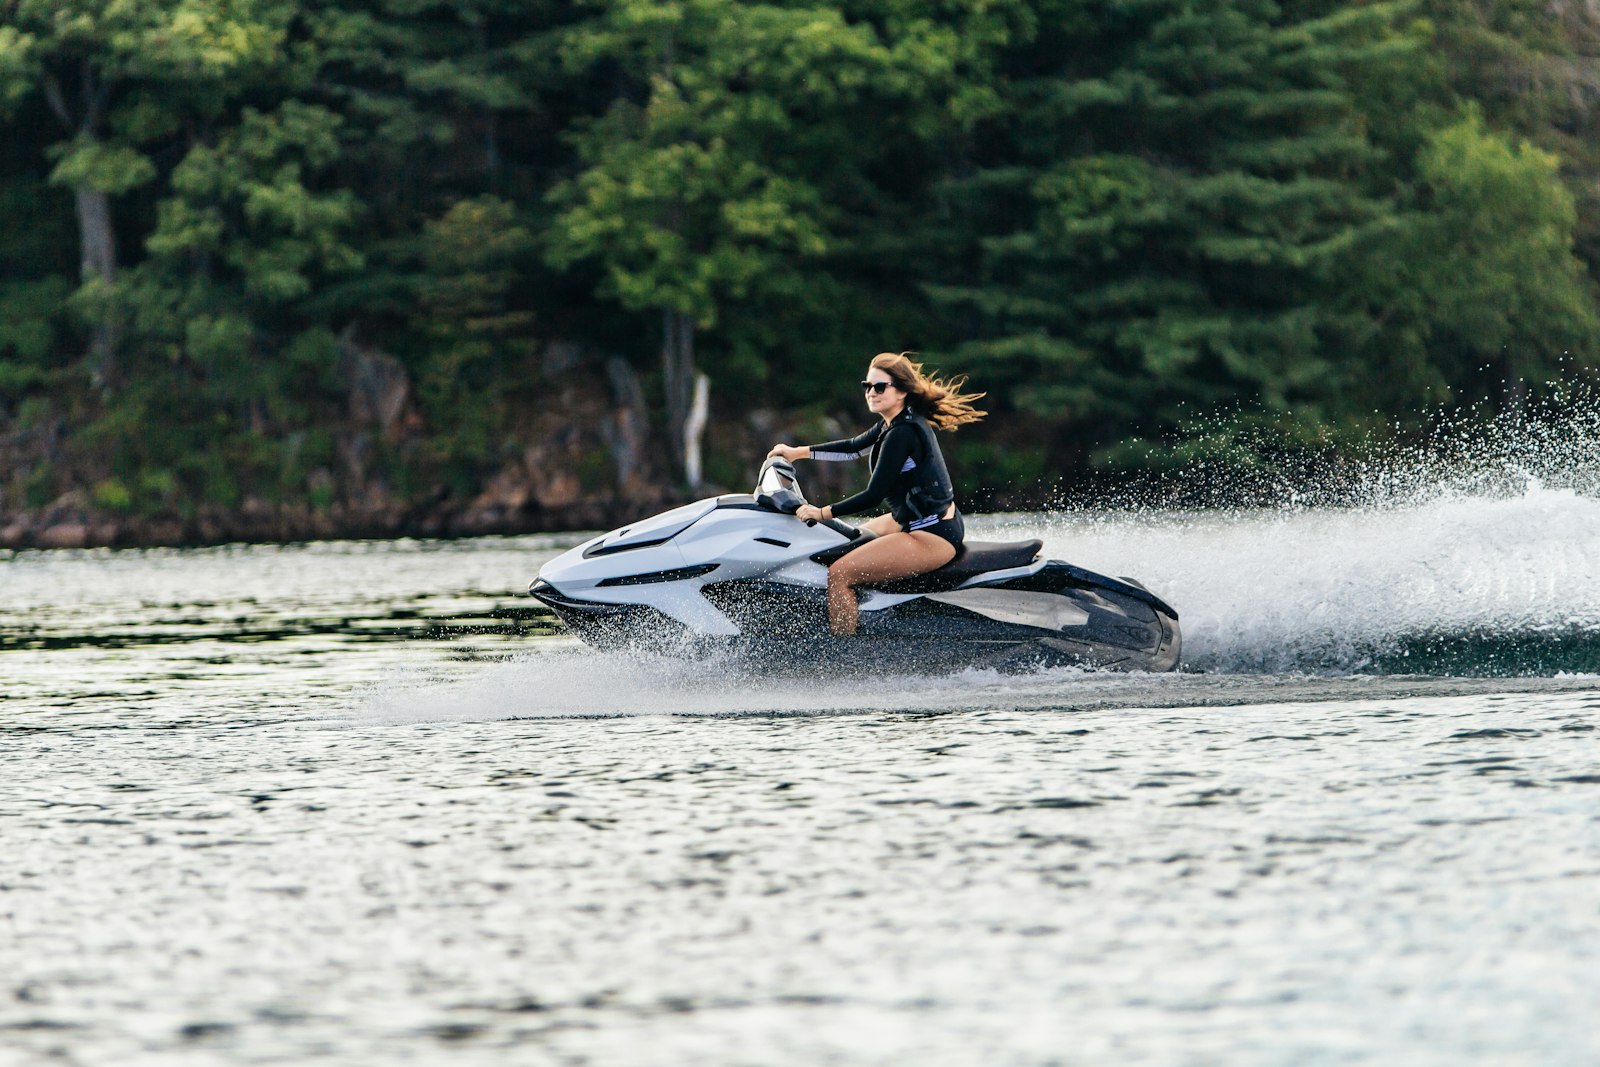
{"x":778,"y":487}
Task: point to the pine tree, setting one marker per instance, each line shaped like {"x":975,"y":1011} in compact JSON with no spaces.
{"x":1164,"y":206}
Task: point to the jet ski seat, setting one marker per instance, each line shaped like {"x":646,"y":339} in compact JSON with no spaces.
{"x":972,"y":558}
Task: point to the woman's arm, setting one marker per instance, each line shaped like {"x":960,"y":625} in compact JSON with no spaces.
{"x":790,"y":452}
{"x":896,"y":450}
{"x":854,"y":448}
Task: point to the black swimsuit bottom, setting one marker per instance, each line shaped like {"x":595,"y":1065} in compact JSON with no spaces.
{"x":951,"y":529}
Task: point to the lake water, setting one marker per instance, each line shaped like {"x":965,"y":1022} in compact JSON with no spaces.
{"x":358,"y":803}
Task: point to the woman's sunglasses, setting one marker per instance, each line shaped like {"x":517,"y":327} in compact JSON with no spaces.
{"x":876,"y":387}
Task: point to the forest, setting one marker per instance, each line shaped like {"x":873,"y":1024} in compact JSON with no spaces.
{"x":274,"y":269}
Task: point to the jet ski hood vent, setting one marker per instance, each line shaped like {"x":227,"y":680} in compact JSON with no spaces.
{"x":652,"y":531}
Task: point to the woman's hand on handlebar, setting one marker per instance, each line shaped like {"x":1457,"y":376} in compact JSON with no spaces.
{"x":788,"y":452}
{"x":807,"y":513}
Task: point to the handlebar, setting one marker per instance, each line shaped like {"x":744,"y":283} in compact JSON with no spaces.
{"x":778,"y":488}
{"x":842,"y":529}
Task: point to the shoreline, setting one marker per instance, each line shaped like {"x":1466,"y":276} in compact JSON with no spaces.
{"x":256,"y":522}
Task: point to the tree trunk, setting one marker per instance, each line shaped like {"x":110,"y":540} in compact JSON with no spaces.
{"x":96,"y":238}
{"x":99,"y":244}
{"x":99,"y":248}
{"x":678,"y":382}
{"x":694,"y":429}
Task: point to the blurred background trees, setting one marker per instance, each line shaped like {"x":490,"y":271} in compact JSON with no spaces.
{"x":227,"y":221}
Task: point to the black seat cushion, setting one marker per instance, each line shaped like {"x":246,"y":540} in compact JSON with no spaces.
{"x":972,"y":558}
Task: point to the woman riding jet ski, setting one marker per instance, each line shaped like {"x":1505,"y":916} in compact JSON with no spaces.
{"x":769,"y":576}
{"x":923,"y":530}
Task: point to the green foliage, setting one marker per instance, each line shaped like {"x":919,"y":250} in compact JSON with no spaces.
{"x":472,"y":256}
{"x":243,"y":236}
{"x":111,"y":495}
{"x":243,"y":213}
{"x":33,"y":287}
{"x":39,"y":486}
{"x":1489,"y":258}
{"x":88,"y":164}
{"x":1180,"y":234}
{"x":1115,"y":215}
{"x":157,"y":487}
{"x":988,"y":468}
{"x":706,"y":193}
{"x":479,"y":341}
{"x":30,"y":313}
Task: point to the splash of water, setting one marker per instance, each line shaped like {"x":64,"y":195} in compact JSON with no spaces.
{"x":1442,"y":584}
{"x":1474,"y":550}
{"x":1253,"y":462}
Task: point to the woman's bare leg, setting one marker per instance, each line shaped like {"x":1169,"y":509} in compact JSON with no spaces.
{"x":883,"y":524}
{"x":895,"y":555}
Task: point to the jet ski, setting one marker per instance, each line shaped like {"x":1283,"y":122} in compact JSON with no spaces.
{"x":739,"y":573}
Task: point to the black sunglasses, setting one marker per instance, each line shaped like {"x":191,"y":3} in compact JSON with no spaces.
{"x":876,"y":387}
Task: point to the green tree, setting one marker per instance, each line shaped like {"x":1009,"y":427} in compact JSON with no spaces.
{"x":477,"y":334}
{"x":438,"y":102}
{"x":117,"y":74}
{"x":36,"y":265}
{"x":216,"y":307}
{"x":713,"y":186}
{"x":1165,"y":206}
{"x":1478,"y":291}
{"x":1527,"y":67}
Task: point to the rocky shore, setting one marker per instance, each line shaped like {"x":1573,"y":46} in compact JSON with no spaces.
{"x":585,"y":456}
{"x":579,"y":460}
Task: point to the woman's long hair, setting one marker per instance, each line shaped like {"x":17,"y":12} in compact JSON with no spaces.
{"x":939,"y":400}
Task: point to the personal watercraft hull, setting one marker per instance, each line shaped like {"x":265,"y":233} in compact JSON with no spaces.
{"x":740,"y":574}
{"x":1055,"y":615}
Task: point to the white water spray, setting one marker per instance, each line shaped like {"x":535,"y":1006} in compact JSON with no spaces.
{"x":1486,"y":533}
{"x":1325,"y":590}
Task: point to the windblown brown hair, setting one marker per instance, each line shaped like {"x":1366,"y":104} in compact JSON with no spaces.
{"x":939,"y":400}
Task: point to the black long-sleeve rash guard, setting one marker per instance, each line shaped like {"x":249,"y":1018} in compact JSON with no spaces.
{"x":907,"y":468}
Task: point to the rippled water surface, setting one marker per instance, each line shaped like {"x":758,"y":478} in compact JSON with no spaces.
{"x":358,"y":803}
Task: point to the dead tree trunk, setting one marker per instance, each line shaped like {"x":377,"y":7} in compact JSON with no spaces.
{"x":694,"y":430}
